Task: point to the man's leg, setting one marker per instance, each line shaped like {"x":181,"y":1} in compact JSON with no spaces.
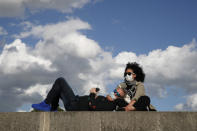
{"x":61,"y":89}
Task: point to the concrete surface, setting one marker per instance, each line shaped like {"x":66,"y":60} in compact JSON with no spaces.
{"x":98,"y":121}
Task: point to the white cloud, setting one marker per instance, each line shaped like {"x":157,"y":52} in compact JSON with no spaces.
{"x":3,"y":31}
{"x":191,"y":103}
{"x":174,"y":66}
{"x":38,"y":88}
{"x":179,"y":107}
{"x":66,"y":38}
{"x":60,"y":29}
{"x":62,"y":50}
{"x":13,"y":8}
{"x":16,"y":57}
{"x":23,"y":109}
{"x":9,"y":8}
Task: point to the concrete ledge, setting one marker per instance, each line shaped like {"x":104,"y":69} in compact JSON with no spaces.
{"x":98,"y":121}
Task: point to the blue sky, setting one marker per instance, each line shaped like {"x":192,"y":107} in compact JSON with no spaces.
{"x":141,"y":26}
{"x":137,"y":26}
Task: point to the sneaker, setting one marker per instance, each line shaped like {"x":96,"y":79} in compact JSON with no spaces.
{"x":42,"y":106}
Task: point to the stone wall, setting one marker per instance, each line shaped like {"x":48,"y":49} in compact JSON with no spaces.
{"x":98,"y":121}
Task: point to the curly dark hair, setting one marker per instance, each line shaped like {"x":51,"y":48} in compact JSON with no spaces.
{"x":140,"y":75}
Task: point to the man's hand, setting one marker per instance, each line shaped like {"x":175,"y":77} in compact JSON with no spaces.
{"x":93,"y":90}
{"x":132,"y":102}
{"x":109,"y":98}
{"x":129,"y":108}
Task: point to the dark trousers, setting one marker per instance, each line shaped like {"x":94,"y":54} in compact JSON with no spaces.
{"x":61,"y":90}
{"x":141,"y":105}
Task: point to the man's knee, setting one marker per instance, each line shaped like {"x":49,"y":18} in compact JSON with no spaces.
{"x":60,"y":79}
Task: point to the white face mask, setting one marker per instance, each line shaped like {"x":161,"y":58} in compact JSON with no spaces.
{"x":129,"y":77}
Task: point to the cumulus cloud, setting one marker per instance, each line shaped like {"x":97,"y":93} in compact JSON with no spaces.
{"x":27,"y":73}
{"x":174,"y":66}
{"x":13,"y":8}
{"x":16,"y":58}
{"x":20,"y":69}
{"x":179,"y":107}
{"x":191,"y":103}
{"x":38,"y":88}
{"x":3,"y":31}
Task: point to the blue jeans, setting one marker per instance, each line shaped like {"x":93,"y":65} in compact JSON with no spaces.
{"x":61,"y":90}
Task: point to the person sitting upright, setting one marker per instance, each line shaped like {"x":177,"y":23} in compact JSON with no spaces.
{"x":133,"y":87}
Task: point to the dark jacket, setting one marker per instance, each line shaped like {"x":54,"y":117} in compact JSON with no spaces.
{"x":90,"y":103}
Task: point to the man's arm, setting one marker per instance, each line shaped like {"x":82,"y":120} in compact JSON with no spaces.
{"x":109,"y":98}
{"x":119,"y":94}
{"x":92,"y":98}
{"x":130,"y":106}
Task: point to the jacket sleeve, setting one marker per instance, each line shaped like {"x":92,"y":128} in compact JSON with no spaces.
{"x":92,"y":101}
{"x":92,"y":95}
{"x":140,"y":91}
{"x":91,"y":98}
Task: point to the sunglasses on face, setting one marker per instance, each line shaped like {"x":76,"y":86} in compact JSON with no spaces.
{"x":117,"y":93}
{"x":129,"y":73}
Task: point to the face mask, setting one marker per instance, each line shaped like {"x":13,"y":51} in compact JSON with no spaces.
{"x":129,"y":78}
